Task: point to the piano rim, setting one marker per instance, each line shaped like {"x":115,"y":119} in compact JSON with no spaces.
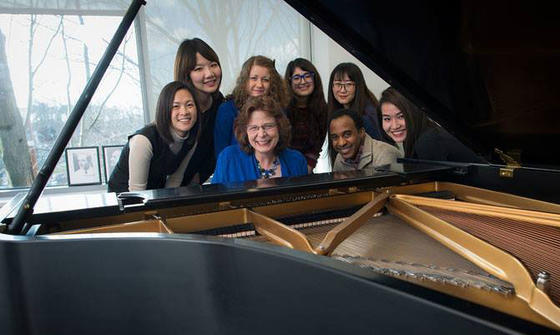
{"x":536,"y":306}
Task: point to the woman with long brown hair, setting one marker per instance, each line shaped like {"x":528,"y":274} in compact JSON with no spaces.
{"x":307,"y":110}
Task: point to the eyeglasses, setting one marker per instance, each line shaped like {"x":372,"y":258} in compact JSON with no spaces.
{"x":338,"y":85}
{"x":265,"y":127}
{"x":307,"y":77}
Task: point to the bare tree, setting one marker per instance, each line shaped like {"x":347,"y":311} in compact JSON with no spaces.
{"x":69,"y":104}
{"x":33,"y":69}
{"x":108,"y":96}
{"x":12,"y":132}
{"x":18,"y":158}
{"x":244,"y":36}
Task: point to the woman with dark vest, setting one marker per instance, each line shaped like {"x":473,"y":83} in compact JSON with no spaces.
{"x":198,"y":64}
{"x":157,"y":156}
{"x":307,"y":110}
{"x":348,"y":90}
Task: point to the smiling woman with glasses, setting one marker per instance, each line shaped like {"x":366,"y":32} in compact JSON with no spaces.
{"x":258,"y":77}
{"x":263,"y":133}
{"x":348,"y":90}
{"x":307,"y":110}
{"x":344,"y":86}
{"x":305,"y":76}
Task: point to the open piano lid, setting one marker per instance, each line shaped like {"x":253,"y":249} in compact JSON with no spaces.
{"x":486,"y":71}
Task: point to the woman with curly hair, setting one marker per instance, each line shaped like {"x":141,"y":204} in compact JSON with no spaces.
{"x":258,"y":77}
{"x":263,"y":134}
{"x":307,"y":110}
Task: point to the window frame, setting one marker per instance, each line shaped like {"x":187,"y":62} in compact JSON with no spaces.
{"x":139,"y":26}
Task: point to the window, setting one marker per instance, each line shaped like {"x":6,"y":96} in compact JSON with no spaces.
{"x":50,"y":49}
{"x":50,"y":59}
{"x":235,"y":29}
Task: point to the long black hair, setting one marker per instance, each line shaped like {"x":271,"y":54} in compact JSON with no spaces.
{"x":416,"y":121}
{"x":316,"y":104}
{"x":362,"y":96}
{"x":165,"y":105}
{"x":185,"y":59}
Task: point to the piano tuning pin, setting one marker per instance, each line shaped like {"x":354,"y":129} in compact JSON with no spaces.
{"x":412,"y":275}
{"x":543,"y":282}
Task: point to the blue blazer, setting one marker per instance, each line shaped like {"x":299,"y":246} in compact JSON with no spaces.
{"x":223,"y":127}
{"x":235,"y":165}
{"x":371,"y":123}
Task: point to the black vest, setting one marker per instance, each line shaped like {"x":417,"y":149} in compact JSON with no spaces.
{"x":203,"y":160}
{"x":164,"y":162}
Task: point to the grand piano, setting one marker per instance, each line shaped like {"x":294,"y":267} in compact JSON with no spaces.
{"x":416,"y":247}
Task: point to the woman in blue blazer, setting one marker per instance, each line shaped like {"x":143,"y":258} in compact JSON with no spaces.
{"x":263,"y":134}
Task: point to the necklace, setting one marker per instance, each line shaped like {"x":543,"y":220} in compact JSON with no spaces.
{"x":267,"y":173}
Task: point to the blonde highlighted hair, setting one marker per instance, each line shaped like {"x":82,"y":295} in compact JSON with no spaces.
{"x":277,"y":90}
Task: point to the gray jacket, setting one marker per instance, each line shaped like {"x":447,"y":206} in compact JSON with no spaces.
{"x":375,"y":153}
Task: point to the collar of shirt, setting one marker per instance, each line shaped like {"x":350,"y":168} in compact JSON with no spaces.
{"x":355,"y":162}
{"x":177,"y":143}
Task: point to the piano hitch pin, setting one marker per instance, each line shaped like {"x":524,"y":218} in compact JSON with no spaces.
{"x":543,"y":281}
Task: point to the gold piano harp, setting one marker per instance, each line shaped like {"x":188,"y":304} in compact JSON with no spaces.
{"x":487,"y":247}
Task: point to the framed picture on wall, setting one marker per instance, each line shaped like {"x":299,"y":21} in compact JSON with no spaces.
{"x":111,"y":155}
{"x":82,"y":166}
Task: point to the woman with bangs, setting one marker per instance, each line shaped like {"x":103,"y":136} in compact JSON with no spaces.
{"x":307,"y":110}
{"x":416,"y":135}
{"x":258,"y":77}
{"x":198,"y":64}
{"x":348,"y":90}
{"x":263,"y":134}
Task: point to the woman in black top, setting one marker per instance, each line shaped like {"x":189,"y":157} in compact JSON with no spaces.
{"x":348,"y":90}
{"x":198,"y":64}
{"x":307,"y":110}
{"x":158,"y":155}
{"x":416,"y":135}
